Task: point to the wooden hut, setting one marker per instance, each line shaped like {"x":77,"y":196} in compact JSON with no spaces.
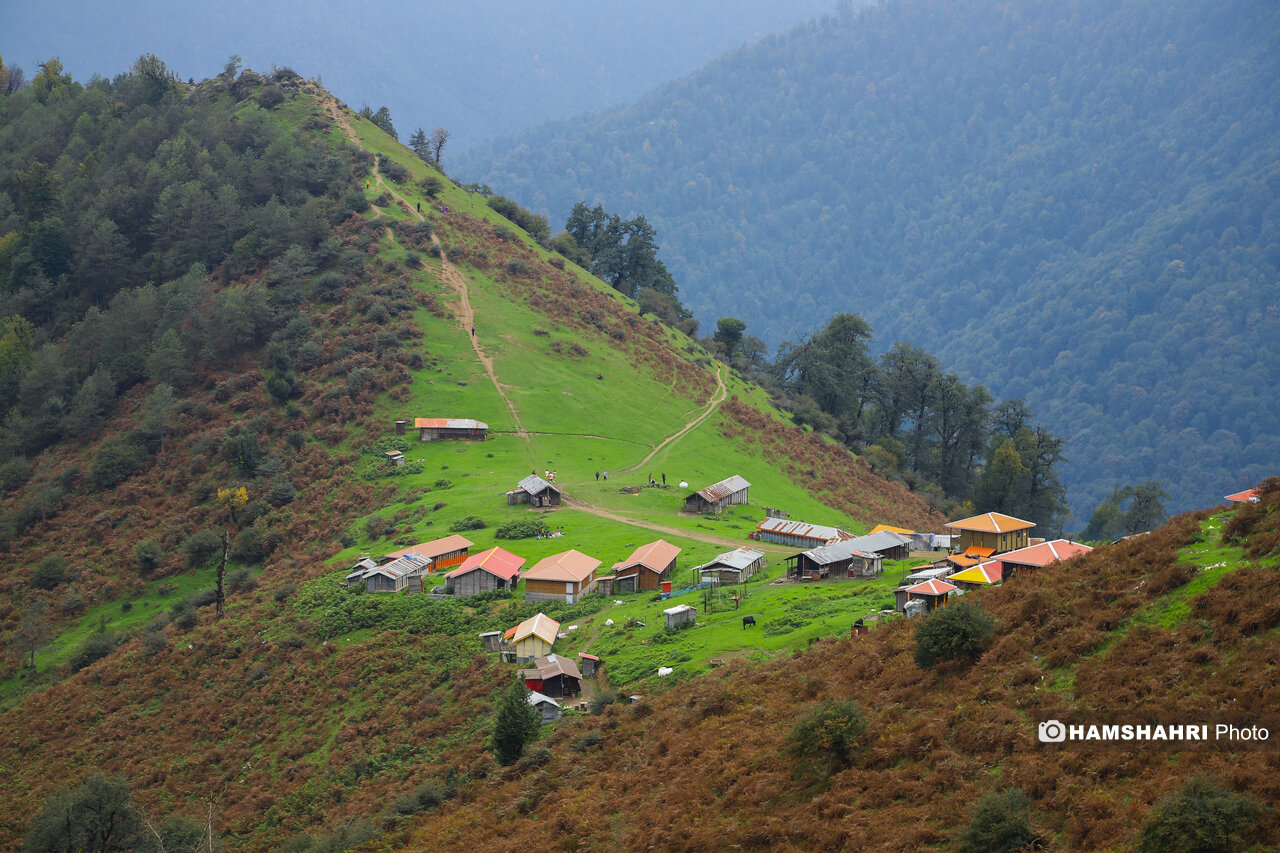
{"x":566,"y":576}
{"x":492,"y":641}
{"x":590,"y":663}
{"x":486,"y":571}
{"x":715,"y":498}
{"x":798,"y":534}
{"x":439,"y":429}
{"x":679,"y":616}
{"x":399,"y":575}
{"x":535,"y":491}
{"x":841,"y":560}
{"x":395,"y":458}
{"x":439,"y":553}
{"x":548,"y":707}
{"x":646,"y":568}
{"x":553,"y":675}
{"x":534,"y":637}
{"x":934,"y":593}
{"x":992,"y":530}
{"x":886,"y":543}
{"x":1027,"y":560}
{"x":732,"y":566}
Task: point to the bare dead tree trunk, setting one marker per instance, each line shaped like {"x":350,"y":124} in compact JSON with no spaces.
{"x":222,"y":573}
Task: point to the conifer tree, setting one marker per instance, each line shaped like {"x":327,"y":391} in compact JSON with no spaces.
{"x":515,"y":724}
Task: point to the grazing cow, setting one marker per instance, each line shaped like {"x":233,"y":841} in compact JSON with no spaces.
{"x":748,"y":620}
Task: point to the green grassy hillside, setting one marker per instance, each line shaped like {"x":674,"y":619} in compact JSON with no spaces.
{"x":309,"y":706}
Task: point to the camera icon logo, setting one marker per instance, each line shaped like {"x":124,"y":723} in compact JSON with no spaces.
{"x":1051,"y":731}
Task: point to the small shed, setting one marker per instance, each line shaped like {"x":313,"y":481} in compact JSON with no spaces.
{"x":554,"y":675}
{"x":438,"y":429}
{"x":485,"y":572}
{"x":403,"y":574}
{"x":534,"y":637}
{"x":549,"y":708}
{"x":841,"y":560}
{"x":395,"y":457}
{"x":798,"y":534}
{"x":732,"y":566}
{"x":886,"y":543}
{"x":933,"y":593}
{"x":647,"y":567}
{"x":604,"y":585}
{"x":680,"y":616}
{"x":716,"y":497}
{"x":589,"y":664}
{"x":492,"y":641}
{"x":535,"y":491}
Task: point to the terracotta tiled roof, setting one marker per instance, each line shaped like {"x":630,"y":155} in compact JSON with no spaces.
{"x":991,"y":522}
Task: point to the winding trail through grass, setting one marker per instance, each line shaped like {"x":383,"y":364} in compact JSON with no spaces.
{"x":450,"y":274}
{"x":456,"y":281}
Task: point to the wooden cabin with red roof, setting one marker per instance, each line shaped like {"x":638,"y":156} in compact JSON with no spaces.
{"x":646,"y":568}
{"x":486,"y":571}
{"x":992,"y":530}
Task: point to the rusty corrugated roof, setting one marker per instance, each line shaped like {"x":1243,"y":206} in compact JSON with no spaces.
{"x":723,"y":489}
{"x":803,"y":529}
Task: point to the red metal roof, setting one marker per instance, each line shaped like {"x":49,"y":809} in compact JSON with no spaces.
{"x":1045,"y":553}
{"x":496,"y":561}
{"x":933,"y":587}
{"x":1247,"y":496}
{"x":448,"y":423}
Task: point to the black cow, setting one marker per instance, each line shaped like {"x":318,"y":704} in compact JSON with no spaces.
{"x":748,"y":620}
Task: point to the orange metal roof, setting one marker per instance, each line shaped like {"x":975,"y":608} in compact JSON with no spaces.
{"x":655,"y":556}
{"x":1247,"y":496}
{"x":496,"y":561}
{"x":573,"y":566}
{"x":435,"y":547}
{"x":975,"y":551}
{"x":1045,"y":553}
{"x":992,"y":522}
{"x":881,"y":527}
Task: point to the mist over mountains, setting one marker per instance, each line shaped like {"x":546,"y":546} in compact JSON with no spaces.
{"x":1072,"y":203}
{"x":478,"y":68}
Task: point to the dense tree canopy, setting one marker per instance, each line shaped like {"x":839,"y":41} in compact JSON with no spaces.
{"x":1077,"y":204}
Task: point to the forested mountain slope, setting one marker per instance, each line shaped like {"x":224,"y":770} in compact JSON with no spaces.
{"x":1075,"y":203}
{"x":216,"y":300}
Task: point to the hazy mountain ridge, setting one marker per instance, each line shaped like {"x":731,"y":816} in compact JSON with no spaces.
{"x":1076,"y":204}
